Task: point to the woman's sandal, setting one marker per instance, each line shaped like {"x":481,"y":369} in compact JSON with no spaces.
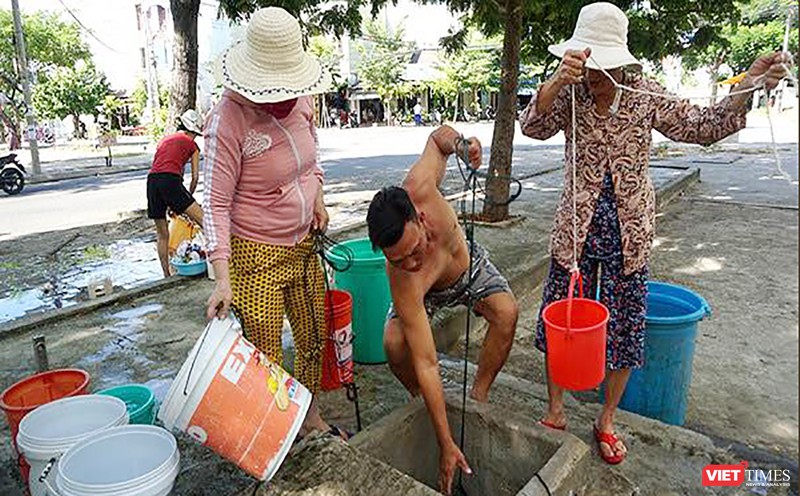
{"x":611,"y":440}
{"x":552,"y":425}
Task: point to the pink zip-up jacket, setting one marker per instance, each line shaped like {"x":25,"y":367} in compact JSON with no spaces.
{"x":261,"y":175}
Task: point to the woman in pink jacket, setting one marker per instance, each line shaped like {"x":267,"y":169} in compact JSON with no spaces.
{"x":264,"y":195}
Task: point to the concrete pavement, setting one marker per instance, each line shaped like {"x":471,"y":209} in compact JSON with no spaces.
{"x":133,"y":154}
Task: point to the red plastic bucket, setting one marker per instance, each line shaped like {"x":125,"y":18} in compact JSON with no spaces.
{"x":32,"y":392}
{"x":337,"y":363}
{"x":575,"y":329}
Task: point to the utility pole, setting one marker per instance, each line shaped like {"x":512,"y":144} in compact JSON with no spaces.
{"x":26,"y":86}
{"x":150,"y":61}
{"x":785,"y":48}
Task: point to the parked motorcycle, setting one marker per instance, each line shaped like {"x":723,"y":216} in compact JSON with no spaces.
{"x":12,"y":174}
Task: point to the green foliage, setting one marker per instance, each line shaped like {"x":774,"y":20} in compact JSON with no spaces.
{"x":669,"y":27}
{"x":139,"y":98}
{"x":70,"y":91}
{"x":158,"y":125}
{"x":328,"y":54}
{"x":383,"y":59}
{"x":111,"y":105}
{"x":50,"y":44}
{"x":762,"y":32}
{"x":469,"y":69}
{"x":94,"y":253}
{"x":746,"y":43}
{"x":316,"y":16}
{"x":763,"y":11}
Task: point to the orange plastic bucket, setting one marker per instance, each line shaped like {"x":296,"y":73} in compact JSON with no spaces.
{"x":575,"y":329}
{"x":180,"y":229}
{"x":230,"y":397}
{"x":32,"y":392}
{"x":337,"y":364}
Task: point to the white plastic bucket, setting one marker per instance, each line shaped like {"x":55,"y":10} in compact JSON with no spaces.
{"x":131,"y":460}
{"x":50,"y":430}
{"x":229,"y":397}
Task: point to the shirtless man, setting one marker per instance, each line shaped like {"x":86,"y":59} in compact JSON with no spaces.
{"x":427,"y":264}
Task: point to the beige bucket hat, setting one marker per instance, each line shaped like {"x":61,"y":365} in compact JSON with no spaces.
{"x":269,"y":65}
{"x":191,"y":121}
{"x":603,"y":27}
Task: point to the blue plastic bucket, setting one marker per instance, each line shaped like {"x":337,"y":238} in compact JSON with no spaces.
{"x":141,"y":402}
{"x":368,"y":284}
{"x":660,"y":389}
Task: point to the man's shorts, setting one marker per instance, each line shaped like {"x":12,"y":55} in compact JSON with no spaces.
{"x":486,"y":280}
{"x":166,"y":190}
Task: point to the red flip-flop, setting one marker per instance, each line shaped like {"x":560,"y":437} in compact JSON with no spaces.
{"x":611,"y":440}
{"x":552,"y":425}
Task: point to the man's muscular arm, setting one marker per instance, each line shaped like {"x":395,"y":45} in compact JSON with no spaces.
{"x":410,"y":309}
{"x":429,"y":169}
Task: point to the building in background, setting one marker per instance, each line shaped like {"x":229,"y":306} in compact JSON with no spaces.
{"x":155,"y":34}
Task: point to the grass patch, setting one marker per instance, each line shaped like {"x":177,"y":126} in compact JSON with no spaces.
{"x":95,"y":253}
{"x":9,"y":265}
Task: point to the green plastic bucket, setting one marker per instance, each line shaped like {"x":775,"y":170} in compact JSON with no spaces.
{"x":366,"y":281}
{"x":139,"y":399}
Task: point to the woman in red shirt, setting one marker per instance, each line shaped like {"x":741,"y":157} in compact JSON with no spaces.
{"x":165,"y":181}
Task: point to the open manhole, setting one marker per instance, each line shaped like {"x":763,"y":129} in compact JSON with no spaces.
{"x":509,"y":455}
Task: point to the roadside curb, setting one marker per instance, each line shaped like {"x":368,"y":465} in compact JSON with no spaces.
{"x":24,"y":324}
{"x":89,"y":172}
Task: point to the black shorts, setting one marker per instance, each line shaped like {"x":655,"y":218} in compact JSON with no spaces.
{"x":166,"y":190}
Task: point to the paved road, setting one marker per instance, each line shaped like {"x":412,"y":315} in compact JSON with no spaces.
{"x":357,"y":163}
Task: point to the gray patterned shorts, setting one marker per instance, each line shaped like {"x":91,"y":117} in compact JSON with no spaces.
{"x":486,"y":280}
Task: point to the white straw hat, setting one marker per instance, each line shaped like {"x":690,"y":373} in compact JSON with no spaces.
{"x":269,"y":65}
{"x":603,"y":27}
{"x":191,"y":121}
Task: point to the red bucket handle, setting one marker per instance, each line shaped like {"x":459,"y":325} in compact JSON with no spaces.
{"x":574,"y":275}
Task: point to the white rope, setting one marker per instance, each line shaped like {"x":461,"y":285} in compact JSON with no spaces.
{"x":758,"y":83}
{"x":574,"y":177}
{"x":782,"y":172}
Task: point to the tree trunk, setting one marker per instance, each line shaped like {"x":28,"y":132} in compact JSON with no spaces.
{"x":497,"y":188}
{"x":76,"y":123}
{"x":387,"y":112}
{"x":714,"y":74}
{"x":183,"y":94}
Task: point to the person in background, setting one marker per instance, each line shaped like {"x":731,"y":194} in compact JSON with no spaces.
{"x":615,"y":197}
{"x":165,"y":189}
{"x":418,"y":114}
{"x":263,"y":198}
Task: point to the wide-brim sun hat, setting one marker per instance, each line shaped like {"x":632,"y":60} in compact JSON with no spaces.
{"x":269,"y":65}
{"x":603,"y":27}
{"x":191,"y":121}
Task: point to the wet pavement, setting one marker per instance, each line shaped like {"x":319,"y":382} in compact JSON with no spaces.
{"x":127,"y":263}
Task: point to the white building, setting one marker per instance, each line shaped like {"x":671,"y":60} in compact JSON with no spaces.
{"x":155,"y":35}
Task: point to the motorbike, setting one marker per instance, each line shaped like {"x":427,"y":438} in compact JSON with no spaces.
{"x":12,"y":174}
